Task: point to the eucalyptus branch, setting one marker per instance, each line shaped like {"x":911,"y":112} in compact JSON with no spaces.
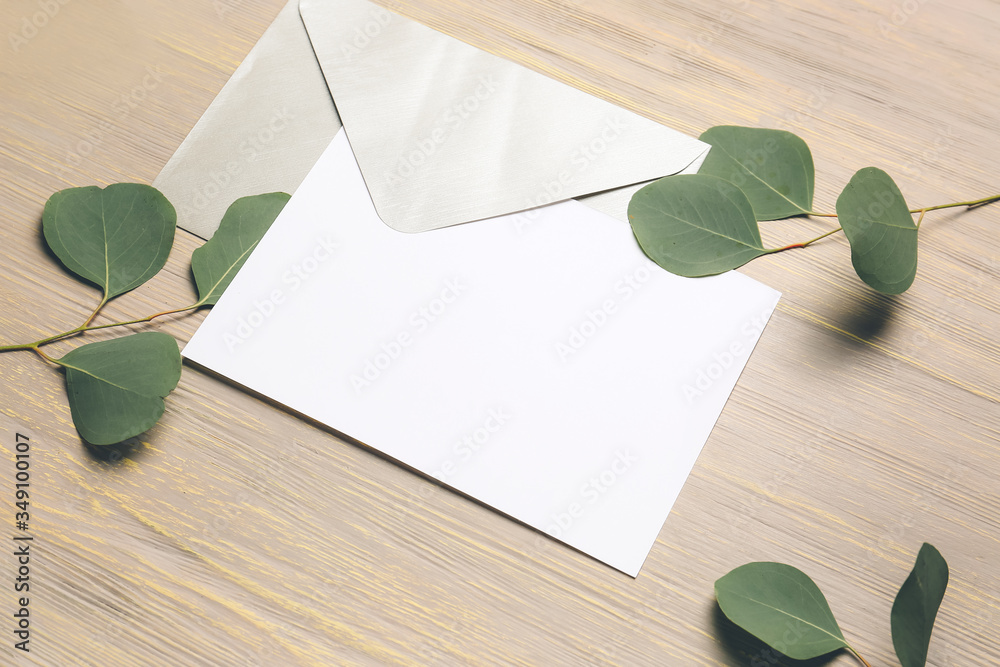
{"x":83,"y":328}
{"x":921,"y":211}
{"x":969,"y":204}
{"x":144,"y":320}
{"x":704,"y":224}
{"x":134,"y":372}
{"x":781,"y":606}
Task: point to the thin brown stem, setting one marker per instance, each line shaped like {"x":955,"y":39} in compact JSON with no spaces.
{"x":44,"y":356}
{"x":858,"y":656}
{"x":90,"y":319}
{"x":970,"y":204}
{"x":84,"y":328}
{"x":805,"y":244}
{"x":143,"y":320}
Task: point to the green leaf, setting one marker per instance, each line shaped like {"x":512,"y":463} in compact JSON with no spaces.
{"x":879,"y":226}
{"x":216,"y":263}
{"x":782,"y":607}
{"x":695,"y":225}
{"x":116,"y":387}
{"x":773,"y":167}
{"x":916,"y":606}
{"x":117,"y":238}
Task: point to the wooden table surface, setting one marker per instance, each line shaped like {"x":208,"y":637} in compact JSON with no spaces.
{"x":234,"y":533}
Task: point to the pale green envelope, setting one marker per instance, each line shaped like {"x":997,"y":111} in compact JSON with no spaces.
{"x":445,"y":133}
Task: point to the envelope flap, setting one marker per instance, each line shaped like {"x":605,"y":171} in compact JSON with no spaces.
{"x":446,"y":133}
{"x":262,"y":133}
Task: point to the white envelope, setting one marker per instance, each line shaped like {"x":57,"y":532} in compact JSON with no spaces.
{"x":555,"y":374}
{"x":568,"y":382}
{"x":444,"y":133}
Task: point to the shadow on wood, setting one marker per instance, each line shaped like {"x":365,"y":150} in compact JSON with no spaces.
{"x":867,"y":313}
{"x":132,"y":448}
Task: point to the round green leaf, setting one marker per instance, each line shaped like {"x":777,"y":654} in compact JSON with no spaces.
{"x":782,"y":607}
{"x":881,"y":231}
{"x":116,"y":387}
{"x":217,"y":262}
{"x":117,"y":238}
{"x":916,"y":607}
{"x":773,"y":167}
{"x":695,"y":225}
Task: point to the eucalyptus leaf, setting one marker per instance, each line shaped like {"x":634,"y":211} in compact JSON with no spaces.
{"x":782,"y":607}
{"x":116,"y":387}
{"x":217,"y":262}
{"x":774,"y":168}
{"x":695,"y":225}
{"x":117,"y":238}
{"x":881,"y":231}
{"x":916,"y":607}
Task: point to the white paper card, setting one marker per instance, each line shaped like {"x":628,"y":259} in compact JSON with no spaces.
{"x":537,"y":362}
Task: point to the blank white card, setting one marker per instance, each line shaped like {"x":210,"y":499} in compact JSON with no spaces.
{"x":538,"y":362}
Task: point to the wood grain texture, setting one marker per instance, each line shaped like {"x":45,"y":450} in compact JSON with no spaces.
{"x":234,"y":533}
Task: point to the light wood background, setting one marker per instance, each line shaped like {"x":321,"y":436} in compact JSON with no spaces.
{"x":234,"y":533}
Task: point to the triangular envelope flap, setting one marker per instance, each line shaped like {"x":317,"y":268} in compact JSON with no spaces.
{"x":446,"y":133}
{"x":262,"y":133}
